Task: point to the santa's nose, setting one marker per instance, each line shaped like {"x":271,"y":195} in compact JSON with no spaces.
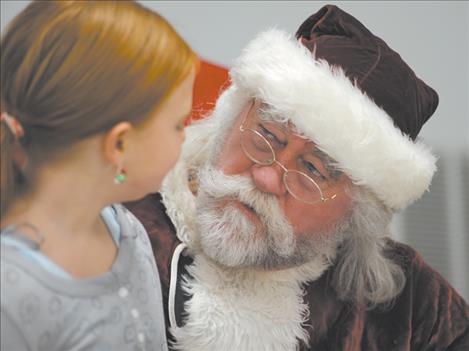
{"x":269,"y":179}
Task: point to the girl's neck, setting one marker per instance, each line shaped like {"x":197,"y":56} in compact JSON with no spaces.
{"x":66,"y":210}
{"x":71,"y":203}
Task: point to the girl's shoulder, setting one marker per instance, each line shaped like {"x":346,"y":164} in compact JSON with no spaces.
{"x":130,"y":226}
{"x":127,"y":220}
{"x":133,"y":230}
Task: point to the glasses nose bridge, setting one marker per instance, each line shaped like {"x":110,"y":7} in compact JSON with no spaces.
{"x":284,"y":173}
{"x":275,"y":161}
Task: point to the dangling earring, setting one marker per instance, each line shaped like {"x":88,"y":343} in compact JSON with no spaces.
{"x":120,"y":176}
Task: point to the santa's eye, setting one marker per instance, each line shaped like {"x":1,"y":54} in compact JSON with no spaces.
{"x":270,"y":136}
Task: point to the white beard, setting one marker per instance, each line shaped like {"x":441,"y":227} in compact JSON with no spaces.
{"x":244,"y":309}
{"x":228,"y":237}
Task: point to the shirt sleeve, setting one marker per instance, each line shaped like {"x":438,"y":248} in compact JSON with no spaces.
{"x":11,"y":337}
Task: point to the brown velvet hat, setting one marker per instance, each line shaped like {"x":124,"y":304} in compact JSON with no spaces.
{"x":343,"y":88}
{"x":341,"y":40}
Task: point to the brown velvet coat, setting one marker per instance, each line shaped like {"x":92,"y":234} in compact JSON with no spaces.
{"x":428,"y":314}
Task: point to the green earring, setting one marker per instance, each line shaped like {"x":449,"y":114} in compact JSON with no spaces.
{"x":120,"y":177}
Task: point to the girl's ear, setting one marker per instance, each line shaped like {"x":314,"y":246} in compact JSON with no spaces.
{"x":115,"y":143}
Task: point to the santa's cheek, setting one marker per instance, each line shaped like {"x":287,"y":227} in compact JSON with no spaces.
{"x":235,"y":165}
{"x":306,"y":221}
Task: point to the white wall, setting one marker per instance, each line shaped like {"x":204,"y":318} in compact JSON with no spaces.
{"x":432,"y":36}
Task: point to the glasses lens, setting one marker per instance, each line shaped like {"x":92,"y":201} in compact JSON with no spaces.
{"x":256,"y":147}
{"x":302,"y":187}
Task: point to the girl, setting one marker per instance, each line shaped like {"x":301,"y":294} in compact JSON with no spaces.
{"x":94,"y":96}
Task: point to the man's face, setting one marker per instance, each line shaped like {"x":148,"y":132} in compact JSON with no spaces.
{"x":250,"y":215}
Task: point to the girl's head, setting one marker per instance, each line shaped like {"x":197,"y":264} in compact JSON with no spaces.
{"x":73,"y":70}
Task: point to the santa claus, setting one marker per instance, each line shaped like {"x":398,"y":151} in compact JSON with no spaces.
{"x":273,"y":231}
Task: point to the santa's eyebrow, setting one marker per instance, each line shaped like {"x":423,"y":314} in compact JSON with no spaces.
{"x":269,"y":115}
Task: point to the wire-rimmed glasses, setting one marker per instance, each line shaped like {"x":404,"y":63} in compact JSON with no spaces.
{"x":301,"y":184}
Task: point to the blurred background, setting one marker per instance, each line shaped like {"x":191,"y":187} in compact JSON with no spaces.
{"x":431,"y":36}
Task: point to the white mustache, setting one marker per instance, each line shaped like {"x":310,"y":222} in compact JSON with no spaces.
{"x":215,"y":184}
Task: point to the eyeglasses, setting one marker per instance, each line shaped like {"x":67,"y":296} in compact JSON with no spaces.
{"x":302,"y":184}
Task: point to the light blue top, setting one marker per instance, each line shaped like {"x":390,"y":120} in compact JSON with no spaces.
{"x":43,"y":308}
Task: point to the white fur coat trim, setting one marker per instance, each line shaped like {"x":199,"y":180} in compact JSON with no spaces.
{"x":328,"y":108}
{"x":233,"y":310}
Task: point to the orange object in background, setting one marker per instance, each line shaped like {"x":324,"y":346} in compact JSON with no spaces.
{"x":210,"y":81}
